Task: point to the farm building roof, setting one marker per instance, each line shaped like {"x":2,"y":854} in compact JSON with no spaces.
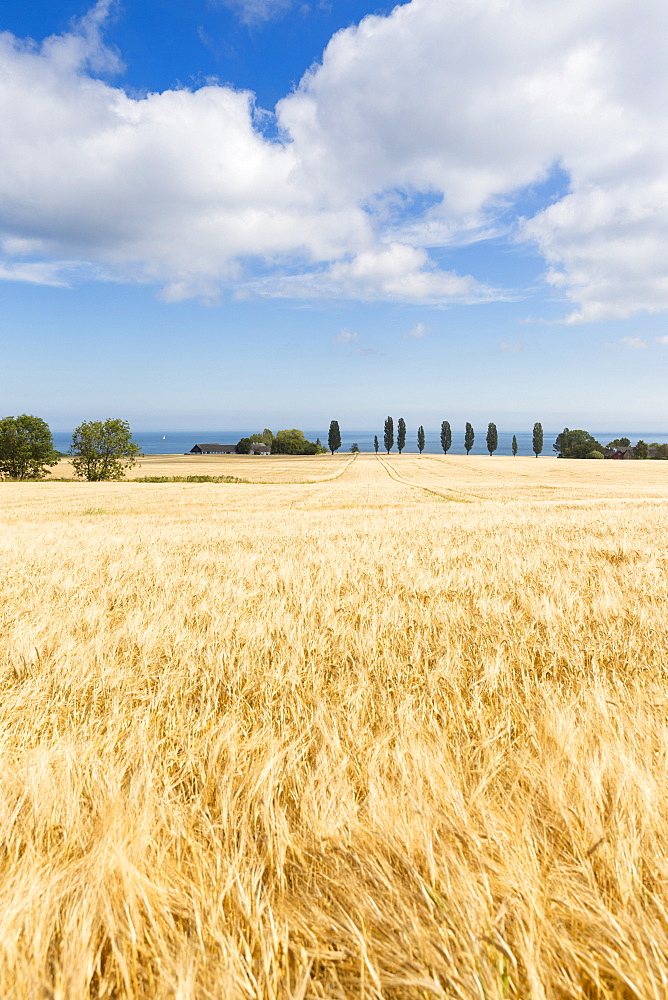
{"x":213,"y":449}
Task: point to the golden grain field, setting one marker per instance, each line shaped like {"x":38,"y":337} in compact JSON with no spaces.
{"x":401,"y":734}
{"x":254,"y":468}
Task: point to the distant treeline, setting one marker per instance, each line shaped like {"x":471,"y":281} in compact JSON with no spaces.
{"x":104,"y":449}
{"x":568,"y":444}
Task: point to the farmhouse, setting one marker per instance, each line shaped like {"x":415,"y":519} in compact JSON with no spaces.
{"x":257,"y":448}
{"x":620,"y":453}
{"x":214,"y":449}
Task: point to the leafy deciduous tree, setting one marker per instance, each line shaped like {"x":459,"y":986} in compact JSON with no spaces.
{"x":420,"y":439}
{"x":388,"y":434}
{"x":641,"y":450}
{"x":469,"y":437}
{"x":492,"y":439}
{"x":355,"y":448}
{"x":26,"y":447}
{"x":537,"y":441}
{"x":446,"y":437}
{"x":334,"y":436}
{"x":103,"y":449}
{"x":293,"y":442}
{"x":401,"y":435}
{"x":576,"y":444}
{"x":245,"y":445}
{"x":622,"y":442}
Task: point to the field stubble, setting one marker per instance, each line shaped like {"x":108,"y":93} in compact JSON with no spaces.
{"x":335,"y":741}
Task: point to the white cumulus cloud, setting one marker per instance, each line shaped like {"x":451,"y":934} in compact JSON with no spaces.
{"x":451,"y":110}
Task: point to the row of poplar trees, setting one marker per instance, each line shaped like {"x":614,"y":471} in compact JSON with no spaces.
{"x":492,"y":438}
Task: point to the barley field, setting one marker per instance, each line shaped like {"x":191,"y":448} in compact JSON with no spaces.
{"x":252,"y":468}
{"x":397,"y":730}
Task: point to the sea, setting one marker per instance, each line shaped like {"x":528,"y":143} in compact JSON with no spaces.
{"x":171,"y":442}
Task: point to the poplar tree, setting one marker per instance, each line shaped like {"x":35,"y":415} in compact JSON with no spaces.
{"x":446,"y":437}
{"x":420,"y":439}
{"x":514,"y":445}
{"x":334,"y":436}
{"x":401,"y":435}
{"x":469,"y":437}
{"x":537,"y":438}
{"x":375,"y":443}
{"x":388,"y":434}
{"x":492,"y":439}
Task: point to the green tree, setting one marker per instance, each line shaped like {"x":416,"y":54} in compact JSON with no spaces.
{"x":514,"y":445}
{"x":560,"y":440}
{"x":334,"y":436}
{"x":641,"y":450}
{"x":469,"y":437}
{"x":293,"y":442}
{"x":355,"y":448}
{"x":420,"y":439}
{"x":659,"y":451}
{"x":537,"y":443}
{"x":375,"y":443}
{"x":388,"y":434}
{"x":103,"y":449}
{"x":245,"y":445}
{"x":622,"y":442}
{"x":267,"y":437}
{"x":492,"y":439}
{"x":26,"y":447}
{"x":401,"y":435}
{"x":446,"y":437}
{"x":576,"y":444}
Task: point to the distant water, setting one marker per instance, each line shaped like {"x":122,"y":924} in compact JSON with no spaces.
{"x":180,"y":442}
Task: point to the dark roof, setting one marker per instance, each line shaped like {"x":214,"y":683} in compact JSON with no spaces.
{"x":213,"y":449}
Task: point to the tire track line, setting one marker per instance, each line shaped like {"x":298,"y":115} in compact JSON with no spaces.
{"x":461,"y":498}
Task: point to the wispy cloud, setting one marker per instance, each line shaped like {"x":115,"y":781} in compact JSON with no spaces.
{"x":662,"y":340}
{"x":417,"y":333}
{"x":510,"y":347}
{"x":633,"y":343}
{"x":35,"y":274}
{"x":256,"y":11}
{"x":345,"y":337}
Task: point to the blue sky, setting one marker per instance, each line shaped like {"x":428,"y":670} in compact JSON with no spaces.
{"x":264,"y":212}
